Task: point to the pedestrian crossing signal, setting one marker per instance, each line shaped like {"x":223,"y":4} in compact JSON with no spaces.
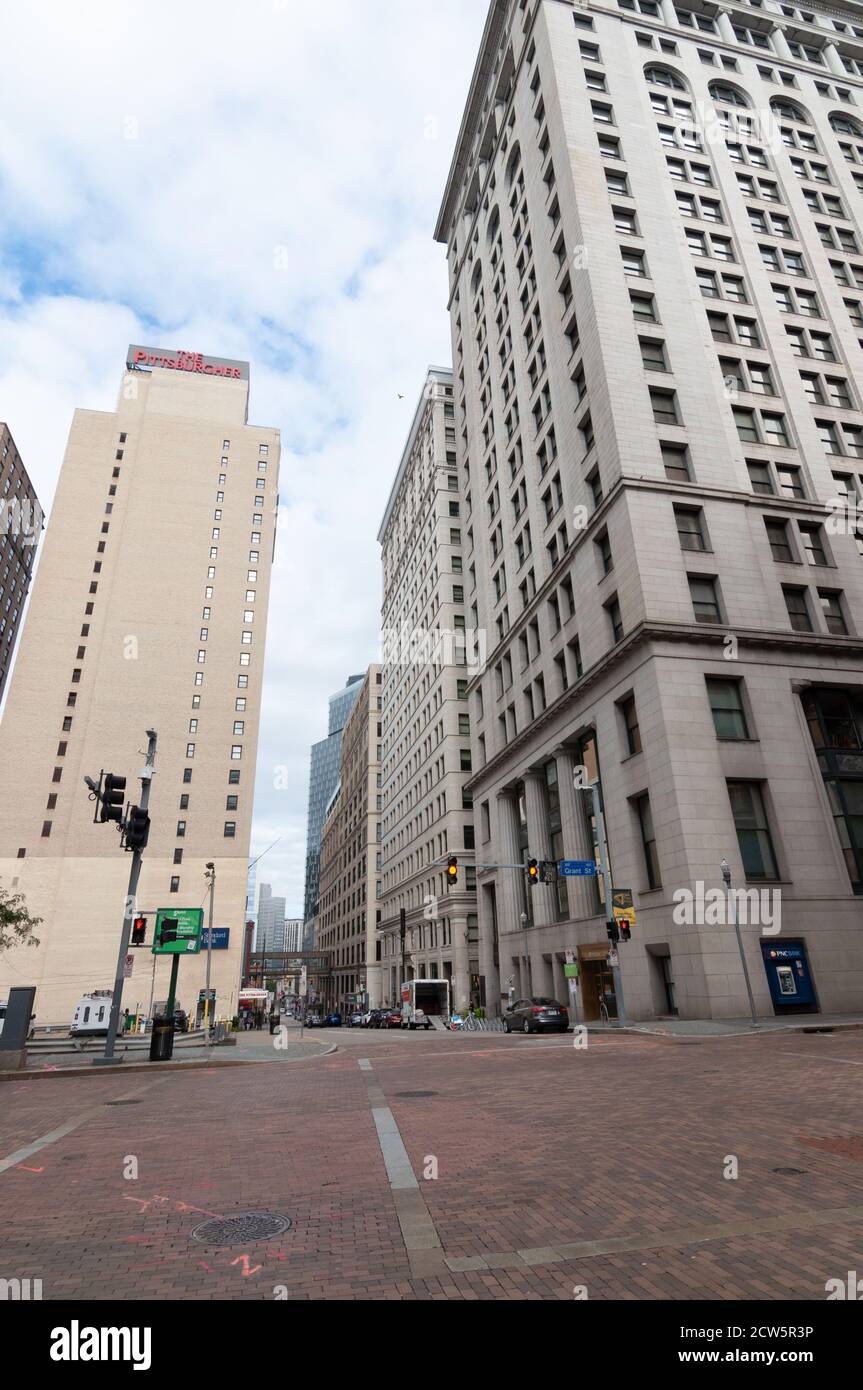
{"x":139,"y":931}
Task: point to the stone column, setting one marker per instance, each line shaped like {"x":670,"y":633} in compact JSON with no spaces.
{"x":490,"y":972}
{"x":577,"y":835}
{"x":509,"y":896}
{"x":543,"y":895}
{"x":834,"y":62}
{"x":780,"y":45}
{"x":460,"y":960}
{"x":669,"y":13}
{"x":726,"y":28}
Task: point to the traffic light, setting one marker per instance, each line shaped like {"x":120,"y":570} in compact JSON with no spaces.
{"x":625,"y":930}
{"x":139,"y":931}
{"x":168,"y":931}
{"x":113,"y":797}
{"x":452,"y":872}
{"x":532,"y":872}
{"x":137,"y":828}
{"x":613,"y":933}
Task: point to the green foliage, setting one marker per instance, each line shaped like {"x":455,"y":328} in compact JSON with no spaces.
{"x":16,"y":924}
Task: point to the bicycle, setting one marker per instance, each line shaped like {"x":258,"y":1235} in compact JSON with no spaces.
{"x":603,"y":1010}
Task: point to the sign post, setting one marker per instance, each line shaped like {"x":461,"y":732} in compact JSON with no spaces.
{"x":177,"y":933}
{"x":571,"y":974}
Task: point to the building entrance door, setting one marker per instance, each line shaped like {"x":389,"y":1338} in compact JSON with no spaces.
{"x":597,"y":987}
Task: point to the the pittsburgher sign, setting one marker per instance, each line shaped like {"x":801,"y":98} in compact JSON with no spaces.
{"x":144,"y":359}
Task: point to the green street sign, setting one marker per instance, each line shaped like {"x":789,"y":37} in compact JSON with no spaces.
{"x":185,"y":925}
{"x":570,"y":972}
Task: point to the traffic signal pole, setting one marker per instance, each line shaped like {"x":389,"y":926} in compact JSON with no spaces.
{"x":129,"y":914}
{"x":599,"y":821}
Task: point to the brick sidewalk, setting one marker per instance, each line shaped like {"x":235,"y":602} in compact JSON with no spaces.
{"x":603,"y":1168}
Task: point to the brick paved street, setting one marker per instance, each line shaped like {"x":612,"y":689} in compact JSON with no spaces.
{"x":556,"y":1169}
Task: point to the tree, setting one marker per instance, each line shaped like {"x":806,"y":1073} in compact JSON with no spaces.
{"x":16,"y":924}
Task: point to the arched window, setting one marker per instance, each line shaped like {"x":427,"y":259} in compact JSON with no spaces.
{"x":790,"y":111}
{"x":728,"y":95}
{"x":513,"y":165}
{"x":664,"y":77}
{"x":476,"y":281}
{"x":493,"y":226}
{"x":844,"y":125}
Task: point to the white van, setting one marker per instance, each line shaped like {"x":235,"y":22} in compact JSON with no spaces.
{"x":92,"y":1014}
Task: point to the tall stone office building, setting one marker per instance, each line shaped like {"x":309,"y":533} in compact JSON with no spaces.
{"x":349,"y":910}
{"x":324,"y":765}
{"x":428,"y":653}
{"x":149,"y":610}
{"x":655,"y":243}
{"x":20,"y":532}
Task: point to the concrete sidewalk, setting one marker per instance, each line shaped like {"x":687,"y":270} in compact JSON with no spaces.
{"x":245,"y":1049}
{"x":736,"y":1027}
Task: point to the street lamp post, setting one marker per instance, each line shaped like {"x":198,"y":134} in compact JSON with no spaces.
{"x":528,"y":974}
{"x":732,"y":908}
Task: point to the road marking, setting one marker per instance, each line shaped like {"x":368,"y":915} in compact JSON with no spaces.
{"x":364,"y":1064}
{"x":395,"y":1155}
{"x":848,"y":1061}
{"x":13,"y":1160}
{"x":697,"y":1235}
{"x":421,"y":1240}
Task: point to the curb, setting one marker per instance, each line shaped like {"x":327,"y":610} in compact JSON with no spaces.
{"x":750,"y":1032}
{"x":127,"y":1068}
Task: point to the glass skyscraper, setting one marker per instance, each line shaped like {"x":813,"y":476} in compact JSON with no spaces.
{"x":323,"y":780}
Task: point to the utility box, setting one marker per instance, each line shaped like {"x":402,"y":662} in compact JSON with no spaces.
{"x":16,"y":1026}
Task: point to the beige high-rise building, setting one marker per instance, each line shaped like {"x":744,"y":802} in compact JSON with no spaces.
{"x":655,"y":242}
{"x":428,"y":657}
{"x":149,"y":610}
{"x":349,"y":909}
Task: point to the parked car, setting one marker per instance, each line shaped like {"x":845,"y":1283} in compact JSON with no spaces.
{"x":333,"y":1020}
{"x":364,"y":1018}
{"x":536,"y":1015}
{"x":313,"y":1021}
{"x":374,"y":1018}
{"x":390,"y":1018}
{"x":355,"y":1020}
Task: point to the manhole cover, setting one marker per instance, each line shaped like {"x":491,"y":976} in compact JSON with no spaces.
{"x":790,"y":1172}
{"x":243,"y":1229}
{"x":122,"y":1102}
{"x":415,"y":1095}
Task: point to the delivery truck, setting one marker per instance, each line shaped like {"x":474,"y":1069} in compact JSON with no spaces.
{"x":423,"y":1000}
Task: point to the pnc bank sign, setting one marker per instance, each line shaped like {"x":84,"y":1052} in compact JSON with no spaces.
{"x":144,"y":359}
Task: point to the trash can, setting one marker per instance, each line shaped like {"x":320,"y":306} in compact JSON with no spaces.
{"x":162,"y":1041}
{"x":275,"y":1021}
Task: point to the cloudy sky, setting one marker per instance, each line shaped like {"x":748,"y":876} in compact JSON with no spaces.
{"x":259,"y":180}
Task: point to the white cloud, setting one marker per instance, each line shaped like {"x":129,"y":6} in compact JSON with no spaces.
{"x":257,"y":180}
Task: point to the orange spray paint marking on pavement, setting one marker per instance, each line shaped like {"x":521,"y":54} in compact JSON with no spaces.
{"x":25,"y":1169}
{"x":244,"y":1261}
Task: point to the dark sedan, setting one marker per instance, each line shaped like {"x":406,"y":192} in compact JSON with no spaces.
{"x":536,"y":1016}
